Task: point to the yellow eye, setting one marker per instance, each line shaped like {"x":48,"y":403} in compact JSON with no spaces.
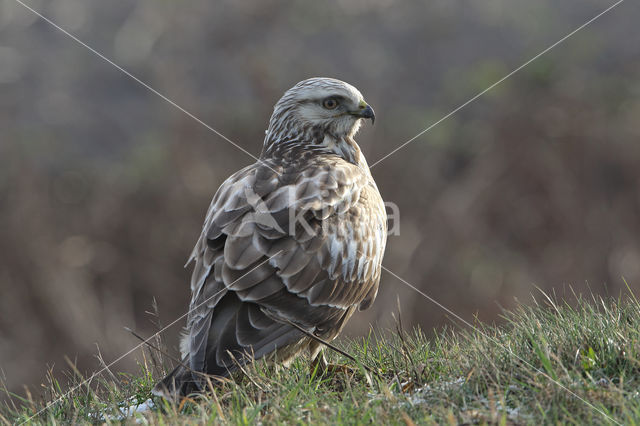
{"x":330,"y":103}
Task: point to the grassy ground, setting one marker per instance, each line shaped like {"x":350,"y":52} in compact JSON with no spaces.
{"x":547,"y":364}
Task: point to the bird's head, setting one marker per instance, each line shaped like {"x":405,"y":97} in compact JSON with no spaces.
{"x":327,"y":105}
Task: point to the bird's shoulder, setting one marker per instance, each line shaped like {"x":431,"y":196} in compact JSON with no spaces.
{"x":304,"y":183}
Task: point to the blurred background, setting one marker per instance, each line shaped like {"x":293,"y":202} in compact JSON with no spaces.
{"x":104,"y":185}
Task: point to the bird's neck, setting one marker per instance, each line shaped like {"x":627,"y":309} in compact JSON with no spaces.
{"x":314,"y":141}
{"x":345,"y":147}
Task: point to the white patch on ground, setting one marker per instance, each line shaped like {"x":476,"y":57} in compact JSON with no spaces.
{"x":420,"y":395}
{"x":137,"y":408}
{"x":426,"y":395}
{"x":128,"y":410}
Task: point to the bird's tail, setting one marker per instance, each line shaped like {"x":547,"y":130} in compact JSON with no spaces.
{"x":179,"y":383}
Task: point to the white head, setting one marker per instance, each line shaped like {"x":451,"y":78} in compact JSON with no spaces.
{"x":323,"y":105}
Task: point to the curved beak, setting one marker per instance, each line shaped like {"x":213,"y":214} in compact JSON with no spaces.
{"x":365,"y":111}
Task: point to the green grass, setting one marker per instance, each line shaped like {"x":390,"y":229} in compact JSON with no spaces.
{"x":547,"y":364}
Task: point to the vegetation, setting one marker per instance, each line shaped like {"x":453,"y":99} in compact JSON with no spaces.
{"x":552,"y":362}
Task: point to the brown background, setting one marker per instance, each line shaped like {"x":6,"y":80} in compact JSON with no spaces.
{"x":103,"y":185}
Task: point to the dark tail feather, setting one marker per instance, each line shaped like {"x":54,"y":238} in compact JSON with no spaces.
{"x":179,"y":383}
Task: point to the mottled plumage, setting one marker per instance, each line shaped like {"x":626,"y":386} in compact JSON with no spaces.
{"x":296,"y":237}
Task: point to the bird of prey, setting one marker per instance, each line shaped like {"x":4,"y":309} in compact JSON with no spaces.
{"x":293,"y":242}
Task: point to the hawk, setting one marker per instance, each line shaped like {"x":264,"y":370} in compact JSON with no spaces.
{"x":293,"y":242}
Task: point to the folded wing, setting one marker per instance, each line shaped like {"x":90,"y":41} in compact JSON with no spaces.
{"x":300,"y":245}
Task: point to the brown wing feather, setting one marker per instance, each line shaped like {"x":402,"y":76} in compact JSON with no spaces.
{"x":313,"y":273}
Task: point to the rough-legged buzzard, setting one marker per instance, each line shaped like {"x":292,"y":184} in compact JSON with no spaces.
{"x":296,"y":238}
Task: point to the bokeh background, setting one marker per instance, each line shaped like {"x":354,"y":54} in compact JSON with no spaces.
{"x":104,"y":185}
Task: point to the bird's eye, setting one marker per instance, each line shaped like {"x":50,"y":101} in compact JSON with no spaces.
{"x":330,"y":103}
